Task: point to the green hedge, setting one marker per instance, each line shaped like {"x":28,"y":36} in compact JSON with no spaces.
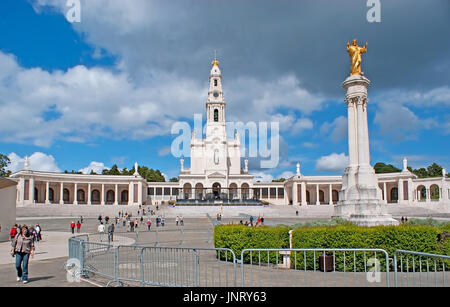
{"x":419,"y":238}
{"x":239,"y":237}
{"x":388,"y":238}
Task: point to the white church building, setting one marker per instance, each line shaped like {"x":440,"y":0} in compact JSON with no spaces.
{"x":216,"y":176}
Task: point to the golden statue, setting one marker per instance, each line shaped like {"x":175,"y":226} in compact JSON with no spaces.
{"x":355,"y":51}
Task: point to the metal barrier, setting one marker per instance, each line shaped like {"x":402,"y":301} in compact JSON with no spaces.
{"x":410,"y":268}
{"x":217,"y":267}
{"x":314,"y":267}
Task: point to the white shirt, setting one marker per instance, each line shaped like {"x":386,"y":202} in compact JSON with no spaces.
{"x":101,"y":228}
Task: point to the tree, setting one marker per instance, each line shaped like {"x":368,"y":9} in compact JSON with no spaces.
{"x":4,"y":162}
{"x":381,"y":168}
{"x":173,"y":179}
{"x":279,"y":180}
{"x":434,"y":170}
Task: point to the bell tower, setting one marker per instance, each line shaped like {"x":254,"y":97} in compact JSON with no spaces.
{"x":215,"y":104}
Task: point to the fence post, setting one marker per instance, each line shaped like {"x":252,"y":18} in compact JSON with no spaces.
{"x":395,"y":270}
{"x":196,"y":268}
{"x":141,"y":262}
{"x":81,"y":254}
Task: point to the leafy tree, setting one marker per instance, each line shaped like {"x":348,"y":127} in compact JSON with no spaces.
{"x":381,"y":168}
{"x":279,"y":180}
{"x":434,"y":170}
{"x":173,"y":179}
{"x":4,"y":162}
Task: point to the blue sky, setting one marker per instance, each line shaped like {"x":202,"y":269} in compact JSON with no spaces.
{"x":108,"y":89}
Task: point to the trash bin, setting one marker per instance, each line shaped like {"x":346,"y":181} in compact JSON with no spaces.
{"x":329,"y":263}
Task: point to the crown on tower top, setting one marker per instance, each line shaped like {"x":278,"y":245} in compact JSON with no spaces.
{"x":215,"y":62}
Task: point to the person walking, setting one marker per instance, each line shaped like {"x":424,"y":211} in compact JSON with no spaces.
{"x":78,"y":226}
{"x":22,"y":248}
{"x":72,"y":226}
{"x":101,"y":228}
{"x":111,"y":232}
{"x":176,"y":220}
{"x":100,"y":219}
{"x":13,"y":232}
{"x":181,"y":221}
{"x":39,"y":231}
{"x":163,"y":221}
{"x":149,"y":224}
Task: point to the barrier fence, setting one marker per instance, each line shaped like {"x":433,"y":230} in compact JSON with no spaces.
{"x":414,"y":269}
{"x":177,"y":266}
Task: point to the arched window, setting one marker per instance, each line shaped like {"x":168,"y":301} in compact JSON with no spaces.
{"x":216,"y":115}
{"x":187,"y":190}
{"x":233,"y":190}
{"x":80,"y":195}
{"x":110,"y":196}
{"x":321,"y":197}
{"x":245,"y":191}
{"x":66,"y":195}
{"x":394,"y":194}
{"x":95,"y":196}
{"x":434,"y":192}
{"x":124,"y":196}
{"x":335,"y":196}
{"x":51,"y":194}
{"x":199,"y":191}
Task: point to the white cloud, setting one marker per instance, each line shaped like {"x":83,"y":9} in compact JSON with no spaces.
{"x":97,"y":167}
{"x":164,"y":151}
{"x":334,"y":162}
{"x":262,"y":177}
{"x":286,"y":175}
{"x":338,"y":128}
{"x":38,"y":162}
{"x":399,"y":122}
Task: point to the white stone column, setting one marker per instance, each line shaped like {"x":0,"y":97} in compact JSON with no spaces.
{"x":385,"y":192}
{"x":47,"y":190}
{"x":116,"y":193}
{"x":352,"y":140}
{"x":330,"y":195}
{"x":303,"y":187}
{"x":400,"y":191}
{"x":31,"y":191}
{"x":89,"y":195}
{"x":61,"y":193}
{"x":131,"y":193}
{"x":140,"y":193}
{"x":428,"y":194}
{"x":294,"y":194}
{"x":317,"y":195}
{"x":75,"y":195}
{"x":102,"y":201}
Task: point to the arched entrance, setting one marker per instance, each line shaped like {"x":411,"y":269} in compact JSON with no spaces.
{"x":216,"y":190}
{"x":66,"y":195}
{"x":245,"y":190}
{"x":233,"y":191}
{"x":110,"y":197}
{"x":394,"y":195}
{"x":321,"y":197}
{"x":187,"y":190}
{"x":124,"y":196}
{"x":335,"y":196}
{"x":199,"y":191}
{"x":51,"y":195}
{"x":421,"y":193}
{"x":95,"y":196}
{"x":434,"y":192}
{"x":81,"y":196}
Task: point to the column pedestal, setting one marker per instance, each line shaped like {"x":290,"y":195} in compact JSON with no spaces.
{"x":360,"y":198}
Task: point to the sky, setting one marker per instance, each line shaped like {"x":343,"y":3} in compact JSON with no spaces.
{"x":107,"y":90}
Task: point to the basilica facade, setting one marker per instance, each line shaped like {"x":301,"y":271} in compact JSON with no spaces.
{"x":215,"y":176}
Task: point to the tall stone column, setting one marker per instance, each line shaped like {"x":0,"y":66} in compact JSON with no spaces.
{"x":330,"y":195}
{"x":140,"y":193}
{"x":317,"y":195}
{"x":304,"y":201}
{"x":31,"y":193}
{"x":103,"y":195}
{"x":116,"y":193}
{"x":385,"y":192}
{"x":400,"y":191}
{"x":89,"y":195}
{"x":294,"y":194}
{"x":130,"y":193}
{"x":61,"y":193}
{"x":47,"y":192}
{"x":75,"y":194}
{"x":360,"y":197}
